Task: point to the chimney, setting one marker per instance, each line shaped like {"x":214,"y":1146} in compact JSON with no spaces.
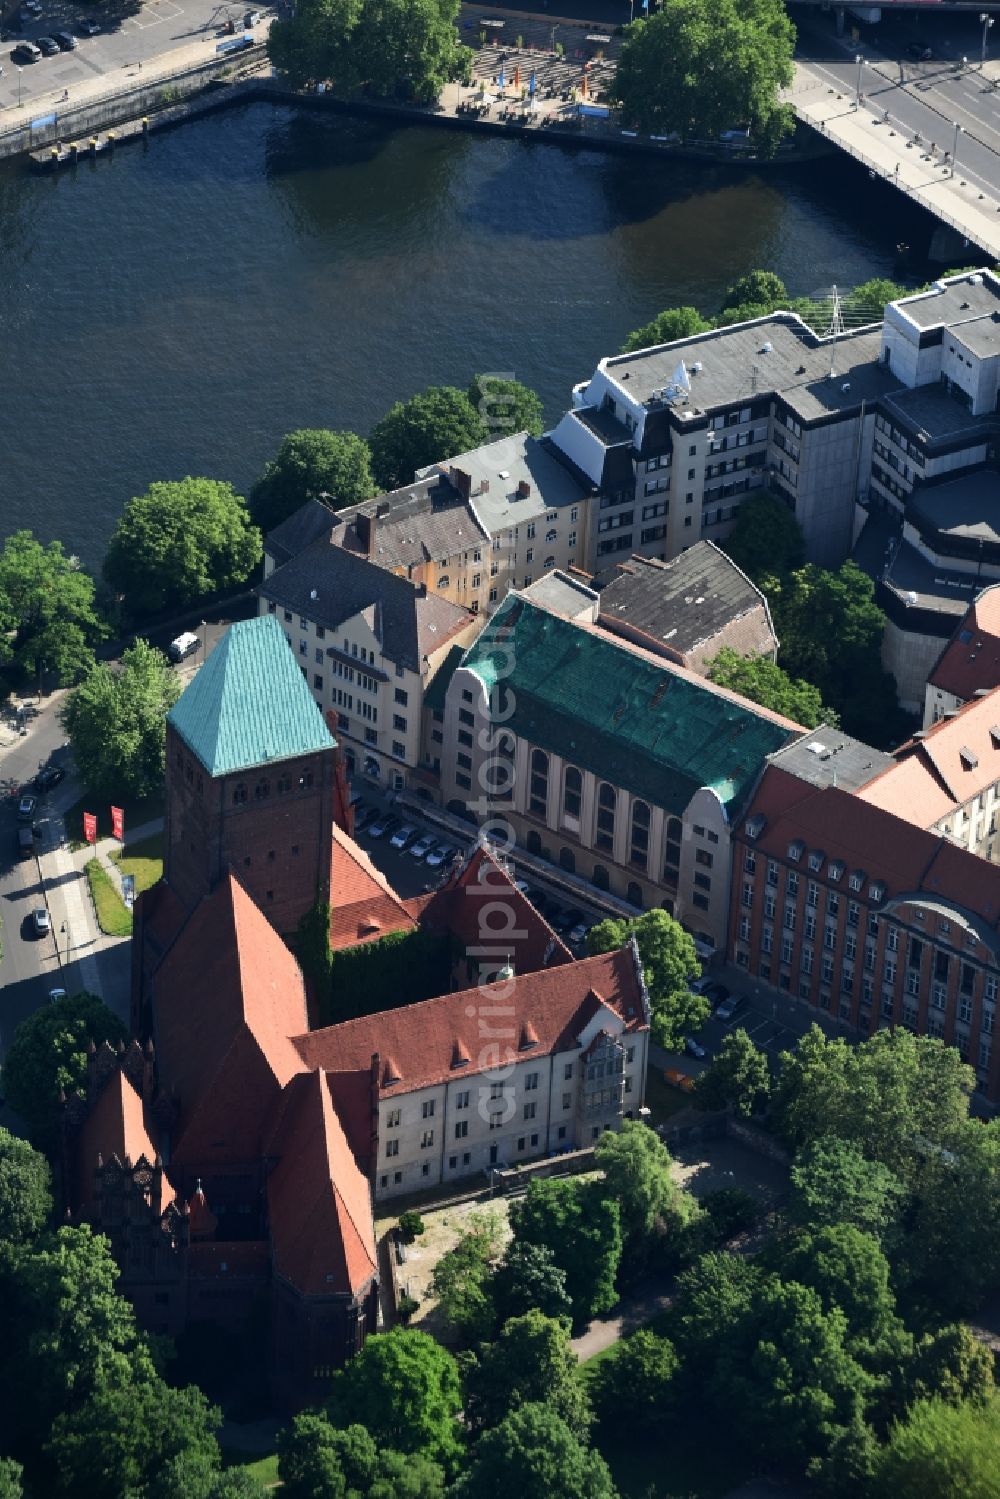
{"x":484,"y":486}
{"x":523,"y":489}
{"x":462,"y":482}
{"x":366,"y":528}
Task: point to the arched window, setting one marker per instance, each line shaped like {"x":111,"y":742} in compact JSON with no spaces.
{"x":672,"y":853}
{"x":607,"y":800}
{"x":538,"y":786}
{"x":533,"y":842}
{"x":639,"y":837}
{"x":634,"y":894}
{"x":601,"y":877}
{"x":283,"y":784}
{"x":239,"y":794}
{"x":572,"y":797}
{"x":567,"y":860}
{"x":262,"y":790}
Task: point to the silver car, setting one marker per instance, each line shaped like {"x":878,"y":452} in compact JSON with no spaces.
{"x":441,"y":855}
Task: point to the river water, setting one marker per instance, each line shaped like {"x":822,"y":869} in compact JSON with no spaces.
{"x":180,"y":307}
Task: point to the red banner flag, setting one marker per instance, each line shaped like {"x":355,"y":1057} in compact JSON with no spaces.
{"x":118,"y":823}
{"x":90,"y":826}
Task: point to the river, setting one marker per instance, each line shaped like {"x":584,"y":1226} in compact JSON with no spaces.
{"x":178,"y":308}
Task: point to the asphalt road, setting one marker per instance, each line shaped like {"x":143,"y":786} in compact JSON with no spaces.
{"x":922,"y":98}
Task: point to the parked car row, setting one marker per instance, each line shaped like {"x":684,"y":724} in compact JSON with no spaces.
{"x":402,"y":835}
{"x":42,"y":46}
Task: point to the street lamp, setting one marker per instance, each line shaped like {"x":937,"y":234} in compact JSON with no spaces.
{"x":987,"y":21}
{"x":64,"y":931}
{"x":860,"y":62}
{"x":954,"y":149}
{"x":19,"y":72}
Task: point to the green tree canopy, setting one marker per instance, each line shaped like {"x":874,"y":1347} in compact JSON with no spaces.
{"x":528,"y":1279}
{"x":406,"y":1476}
{"x":950,"y":1252}
{"x":942,"y":1451}
{"x":179,"y":542}
{"x":531,"y":1362}
{"x":847,"y":1269}
{"x":636,"y":1166}
{"x":666,"y":328}
{"x":25,"y":1190}
{"x":534,"y":1455}
{"x":636,"y":1386}
{"x":833,"y":1182}
{"x":318,"y":1461}
{"x":582,"y":1229}
{"x":460,"y":1279}
{"x":866,"y":303}
{"x":403,"y":1388}
{"x":737,"y":1078}
{"x":310,"y":463}
{"x":766,"y":540}
{"x":117,"y":722}
{"x":669,"y":961}
{"x":506,"y":406}
{"x":11,"y":1474}
{"x":701,"y":67}
{"x":428,"y":428}
{"x":951,"y":1363}
{"x":384,"y":47}
{"x":48,"y":1053}
{"x":48,"y":619}
{"x":758,"y":289}
{"x":763,"y":681}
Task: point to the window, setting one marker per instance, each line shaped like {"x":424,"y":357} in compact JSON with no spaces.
{"x":428,"y":1108}
{"x":567,"y":1100}
{"x":530,"y":1110}
{"x":399,"y":749}
{"x":538,"y":786}
{"x":392,"y":1119}
{"x":391,"y":1148}
{"x":462,"y":1099}
{"x":639,"y":841}
{"x":461,"y":1129}
{"x":572,"y":795}
{"x":568,"y":1072}
{"x":399,"y":723}
{"x":607,"y":799}
{"x":531,"y":1082}
{"x":427,"y":1139}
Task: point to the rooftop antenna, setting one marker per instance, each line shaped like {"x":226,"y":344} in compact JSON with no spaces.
{"x":835,"y":328}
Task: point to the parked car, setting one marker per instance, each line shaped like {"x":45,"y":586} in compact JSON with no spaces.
{"x":363,"y":814}
{"x":252,"y":18}
{"x":64,"y":40}
{"x":25,"y":842}
{"x":678,"y":1079}
{"x":403,"y":836}
{"x":421,"y":847}
{"x":579,"y":933}
{"x":33,"y":7}
{"x":693,"y":1048}
{"x":40,"y":921}
{"x":727,"y":1009}
{"x":185,"y":645}
{"x":49,"y":777}
{"x":55,"y":994}
{"x":26,"y":52}
{"x":26,"y":808}
{"x":48,"y":45}
{"x":715,"y":993}
{"x":442,"y":854}
{"x":381,"y":825}
{"x":87,"y":27}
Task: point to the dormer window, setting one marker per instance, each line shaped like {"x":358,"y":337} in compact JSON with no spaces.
{"x":816,"y":860}
{"x":876,"y":891}
{"x":755,"y":826}
{"x":796,"y":849}
{"x":968,"y":759}
{"x":858,"y":880}
{"x":835,"y":869}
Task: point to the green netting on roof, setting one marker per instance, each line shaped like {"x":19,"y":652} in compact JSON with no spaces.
{"x":249,"y":704}
{"x":632,"y":722}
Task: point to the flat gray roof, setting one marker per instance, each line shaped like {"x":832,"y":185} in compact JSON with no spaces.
{"x":968,"y":506}
{"x":562,"y":594}
{"x":829,"y":757}
{"x":737,"y":365}
{"x":938,"y":414}
{"x":504,"y":465}
{"x":958,"y":302}
{"x":925,"y":585}
{"x":981,"y":337}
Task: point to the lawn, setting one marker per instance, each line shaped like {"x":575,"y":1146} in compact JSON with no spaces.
{"x":265,"y":1470}
{"x":142,"y":860}
{"x":138,"y":810}
{"x":113,"y":916}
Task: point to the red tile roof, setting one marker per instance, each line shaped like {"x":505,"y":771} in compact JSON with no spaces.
{"x":319,"y":1202}
{"x":363,"y":905}
{"x":973,"y":662}
{"x":228,"y":996}
{"x":483,"y":909}
{"x":417,"y":1044}
{"x":944,"y":767}
{"x":117,"y":1125}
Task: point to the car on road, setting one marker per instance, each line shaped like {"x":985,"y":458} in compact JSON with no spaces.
{"x":421,"y":847}
{"x":694,"y":1048}
{"x":441,"y":855}
{"x":64,"y":40}
{"x":86,"y":27}
{"x":185,"y":645}
{"x":384,"y":823}
{"x":727,"y":1009}
{"x":678,"y":1079}
{"x":26,"y":52}
{"x":48,"y":45}
{"x":920,"y":52}
{"x":26,"y":808}
{"x":25,"y":842}
{"x":41,"y":921}
{"x":403,"y":836}
{"x":48,"y":777}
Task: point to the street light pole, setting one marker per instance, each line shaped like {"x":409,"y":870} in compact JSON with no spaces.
{"x":954,"y":149}
{"x":987,"y":22}
{"x":19,"y":72}
{"x":857,"y":89}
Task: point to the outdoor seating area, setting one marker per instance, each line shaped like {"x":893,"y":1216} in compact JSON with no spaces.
{"x":558,"y":78}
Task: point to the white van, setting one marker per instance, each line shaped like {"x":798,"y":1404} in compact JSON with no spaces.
{"x":184,"y":646}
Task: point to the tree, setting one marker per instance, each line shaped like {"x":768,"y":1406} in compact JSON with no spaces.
{"x":194,"y":1473}
{"x":942,"y":1451}
{"x":951,"y":1364}
{"x":636,"y":1386}
{"x":48,"y":1054}
{"x":316,"y":1461}
{"x":403,"y":1387}
{"x":666,"y":328}
{"x":582,"y":1229}
{"x":312,"y":463}
{"x":867,"y":302}
{"x":833,"y":1182}
{"x":385,"y":47}
{"x":460,"y":1279}
{"x":847,"y":1269}
{"x":669,"y":962}
{"x":179,"y":542}
{"x":526,"y":1279}
{"x":11,"y":1473}
{"x":409,"y":1476}
{"x":119,"y":1440}
{"x":758,"y":289}
{"x":701,"y":67}
{"x":764,"y":682}
{"x":317,"y":42}
{"x":713,"y":1295}
{"x":737,"y":1078}
{"x":426,"y":429}
{"x":117,"y":722}
{"x":636,"y":1166}
{"x":950,"y":1252}
{"x":766,"y":541}
{"x":48,"y":619}
{"x":25,"y":1190}
{"x":531,"y":1362}
{"x":534,"y":1455}
{"x":506,"y":406}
